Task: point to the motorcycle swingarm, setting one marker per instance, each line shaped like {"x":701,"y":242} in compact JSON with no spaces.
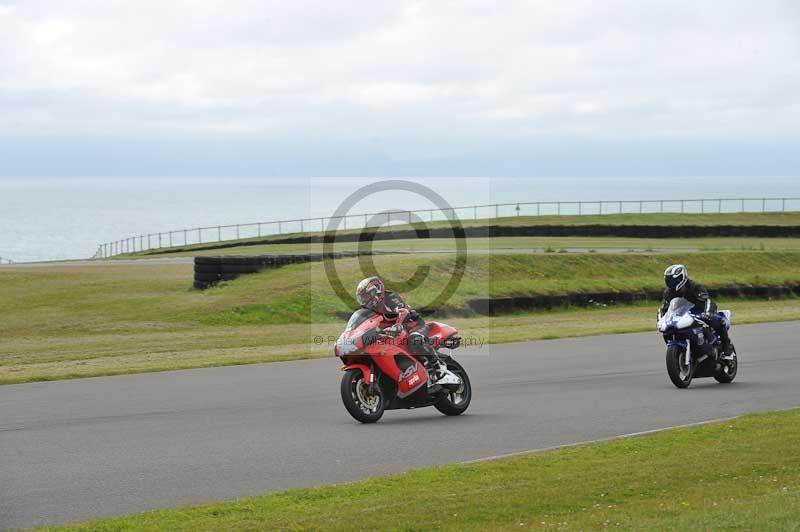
{"x":449,"y":378}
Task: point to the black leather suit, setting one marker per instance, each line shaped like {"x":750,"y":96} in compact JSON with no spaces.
{"x":703,"y":304}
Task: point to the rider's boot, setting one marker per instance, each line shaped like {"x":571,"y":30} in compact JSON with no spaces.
{"x":727,"y":350}
{"x":725,"y":342}
{"x":436,"y":368}
{"x":419,"y":346}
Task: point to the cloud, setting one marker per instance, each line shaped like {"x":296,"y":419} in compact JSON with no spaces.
{"x":416,"y":76}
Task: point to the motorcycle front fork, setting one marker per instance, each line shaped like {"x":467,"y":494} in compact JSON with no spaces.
{"x":373,"y":385}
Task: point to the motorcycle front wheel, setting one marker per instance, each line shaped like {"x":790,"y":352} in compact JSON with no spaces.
{"x":679,"y":372}
{"x":364,"y":406}
{"x":456,"y":401}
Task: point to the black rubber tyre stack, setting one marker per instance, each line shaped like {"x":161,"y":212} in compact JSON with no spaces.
{"x":210,"y":270}
{"x":207,"y":271}
{"x":240,"y":265}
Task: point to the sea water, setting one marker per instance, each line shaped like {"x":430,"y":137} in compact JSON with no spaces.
{"x":59,"y":218}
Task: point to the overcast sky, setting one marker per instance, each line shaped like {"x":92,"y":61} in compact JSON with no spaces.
{"x":399,"y":88}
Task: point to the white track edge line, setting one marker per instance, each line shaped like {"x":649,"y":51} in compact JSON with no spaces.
{"x":600,"y":440}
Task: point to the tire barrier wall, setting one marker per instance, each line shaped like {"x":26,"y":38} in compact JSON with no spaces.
{"x":635,"y":231}
{"x":503,"y":305}
{"x":210,"y":270}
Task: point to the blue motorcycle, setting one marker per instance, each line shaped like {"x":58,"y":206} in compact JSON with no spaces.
{"x":694,"y":350}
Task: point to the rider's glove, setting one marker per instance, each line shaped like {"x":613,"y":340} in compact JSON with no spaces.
{"x":394,"y":330}
{"x":402,"y":315}
{"x":705,"y":316}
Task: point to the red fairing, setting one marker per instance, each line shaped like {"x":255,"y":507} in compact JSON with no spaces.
{"x":365,"y":345}
{"x":438,"y":332}
{"x":381,"y":373}
{"x":364,"y":371}
{"x":411,"y":380}
{"x":352,"y":341}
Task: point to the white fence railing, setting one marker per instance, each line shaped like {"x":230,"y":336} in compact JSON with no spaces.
{"x":225,"y":233}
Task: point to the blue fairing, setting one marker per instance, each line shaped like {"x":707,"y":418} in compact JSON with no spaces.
{"x":700,"y":337}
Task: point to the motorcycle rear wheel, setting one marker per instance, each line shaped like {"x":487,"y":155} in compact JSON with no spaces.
{"x":456,"y":402}
{"x":679,"y":373}
{"x":728,"y":372}
{"x":363,"y":406}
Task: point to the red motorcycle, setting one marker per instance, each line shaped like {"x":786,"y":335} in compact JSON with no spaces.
{"x":380,"y":373}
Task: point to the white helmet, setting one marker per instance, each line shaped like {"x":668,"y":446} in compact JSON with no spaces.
{"x":676,"y":277}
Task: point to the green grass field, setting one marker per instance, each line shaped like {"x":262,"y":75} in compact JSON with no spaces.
{"x":101,"y":319}
{"x":741,"y":474}
{"x":773,"y":219}
{"x":305,"y":295}
{"x":504,"y":245}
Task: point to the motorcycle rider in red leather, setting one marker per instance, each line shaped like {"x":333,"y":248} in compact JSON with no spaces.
{"x":372,"y":295}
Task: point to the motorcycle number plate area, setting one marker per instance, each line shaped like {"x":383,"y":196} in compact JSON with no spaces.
{"x":411,"y":380}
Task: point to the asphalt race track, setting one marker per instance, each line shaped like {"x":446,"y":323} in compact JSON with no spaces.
{"x":73,"y":450}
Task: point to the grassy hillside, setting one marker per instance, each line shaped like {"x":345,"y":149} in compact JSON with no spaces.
{"x":743,"y":474}
{"x":63,"y":321}
{"x":302,"y":294}
{"x":772,"y":219}
{"x":501,"y":245}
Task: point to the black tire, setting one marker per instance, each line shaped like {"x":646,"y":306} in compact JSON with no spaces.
{"x":202,"y":285}
{"x":207,"y":268}
{"x":728,"y":372}
{"x":240,"y":268}
{"x":240,"y":261}
{"x":678,"y":374}
{"x":207,"y":260}
{"x":451,"y":404}
{"x":352,"y":381}
{"x":206,"y":277}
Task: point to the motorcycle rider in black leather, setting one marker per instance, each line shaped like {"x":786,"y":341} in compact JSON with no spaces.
{"x":372,"y":295}
{"x":678,"y":284}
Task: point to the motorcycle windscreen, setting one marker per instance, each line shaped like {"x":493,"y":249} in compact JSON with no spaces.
{"x":679,"y":306}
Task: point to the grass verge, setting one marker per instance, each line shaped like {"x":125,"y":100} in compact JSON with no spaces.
{"x":78,"y":321}
{"x":42,"y":358}
{"x":741,"y":474}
